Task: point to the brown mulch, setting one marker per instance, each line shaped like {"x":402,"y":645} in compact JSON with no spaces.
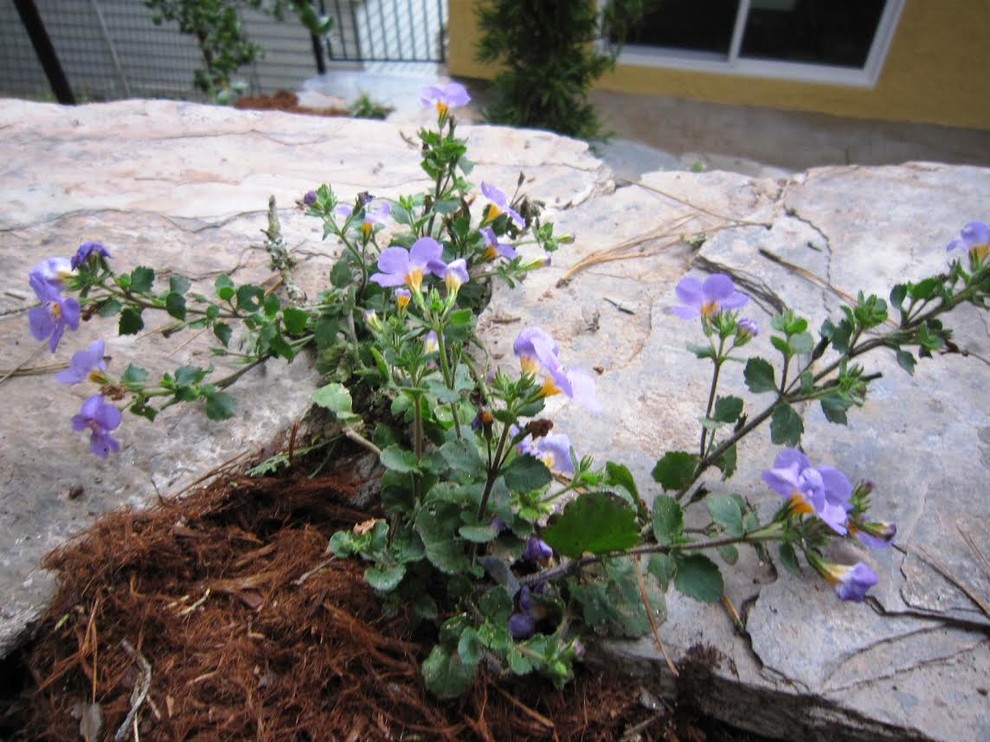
{"x":219,"y":600}
{"x":283,"y":100}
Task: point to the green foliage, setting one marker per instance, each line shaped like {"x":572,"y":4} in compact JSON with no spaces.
{"x":597,"y":523}
{"x":364,"y":107}
{"x":549,"y":60}
{"x":216,"y":27}
{"x":472,"y":537}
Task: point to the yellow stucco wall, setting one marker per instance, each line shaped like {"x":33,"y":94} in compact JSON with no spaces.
{"x":937,"y":71}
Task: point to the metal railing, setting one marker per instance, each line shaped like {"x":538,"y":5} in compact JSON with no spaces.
{"x":387,"y":30}
{"x":111,"y":49}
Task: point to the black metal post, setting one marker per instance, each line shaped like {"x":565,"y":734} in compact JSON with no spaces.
{"x":43,"y":47}
{"x":321,"y":65}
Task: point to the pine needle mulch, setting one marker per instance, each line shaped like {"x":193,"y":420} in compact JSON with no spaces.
{"x":220,"y":616}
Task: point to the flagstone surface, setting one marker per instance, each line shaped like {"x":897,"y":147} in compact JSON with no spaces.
{"x":186,"y":186}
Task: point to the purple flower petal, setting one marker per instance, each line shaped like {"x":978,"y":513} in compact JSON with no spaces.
{"x":83,"y":362}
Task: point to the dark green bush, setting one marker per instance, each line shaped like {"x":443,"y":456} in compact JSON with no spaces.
{"x":550,"y":54}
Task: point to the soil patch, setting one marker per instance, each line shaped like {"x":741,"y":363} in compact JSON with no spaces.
{"x":283,"y":100}
{"x":221,"y":616}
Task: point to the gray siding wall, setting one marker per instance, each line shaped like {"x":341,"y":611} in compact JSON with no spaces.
{"x":111,"y":49}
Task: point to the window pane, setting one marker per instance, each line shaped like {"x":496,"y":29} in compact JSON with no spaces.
{"x":830,"y":32}
{"x":697,"y":25}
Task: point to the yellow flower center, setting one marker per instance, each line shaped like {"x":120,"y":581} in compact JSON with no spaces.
{"x":800,"y":505}
{"x":709,"y":308}
{"x":414,"y":279}
{"x":549,"y":388}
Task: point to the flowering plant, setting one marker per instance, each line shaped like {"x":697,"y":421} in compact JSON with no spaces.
{"x":496,"y":532}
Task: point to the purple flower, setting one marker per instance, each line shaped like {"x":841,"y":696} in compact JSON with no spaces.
{"x":310,"y":198}
{"x":522,"y":623}
{"x":444,"y":97}
{"x":455,"y":275}
{"x":376,"y":214}
{"x":53,"y":270}
{"x":824,"y":491}
{"x":874,"y":534}
{"x":402,"y":298}
{"x":48,"y":321}
{"x":87,"y":251}
{"x":85,"y":364}
{"x":499,"y":204}
{"x":850,"y":583}
{"x":974,"y":238}
{"x":716,"y":294}
{"x":496,"y":248}
{"x":537,"y":351}
{"x":748,"y":327}
{"x":554,"y":450}
{"x":431,"y":343}
{"x":537,"y":550}
{"x":399,"y":266}
{"x":99,"y":418}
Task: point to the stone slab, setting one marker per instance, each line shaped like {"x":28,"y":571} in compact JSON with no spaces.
{"x":183,"y":187}
{"x":186,"y":186}
{"x":913,"y":662}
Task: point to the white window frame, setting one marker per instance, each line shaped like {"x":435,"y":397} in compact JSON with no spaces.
{"x":733,"y":64}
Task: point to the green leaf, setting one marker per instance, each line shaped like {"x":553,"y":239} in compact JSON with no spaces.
{"x":675,"y":470}
{"x":834,"y":407}
{"x":701,"y":351}
{"x":729,"y":553}
{"x":470,"y":647}
{"x":663,"y":567}
{"x":223,"y":332}
{"x":134,"y":375}
{"x":336,"y":398}
{"x":446,"y":674}
{"x":340,"y":274}
{"x":224,"y":288}
{"x":477,"y":534}
{"x":142,"y":279}
{"x":220,"y":406}
{"x":759,"y":375}
{"x":598,"y":522}
{"x":897,"y":295}
{"x":178,"y":284}
{"x":526,"y":473}
{"x":668,"y":520}
{"x":906,"y":361}
{"x":130,"y":321}
{"x":188,"y":375}
{"x":399,"y":460}
{"x":295,"y":320}
{"x":788,"y":558}
{"x":438,"y":529}
{"x":461,"y":318}
{"x":802,"y":343}
{"x":109,"y":307}
{"x":618,"y":475}
{"x":461,"y":455}
{"x":248,"y":297}
{"x":781,"y":344}
{"x":496,"y":604}
{"x":385,"y":580}
{"x":726,"y":463}
{"x":175,"y":305}
{"x":727,"y":409}
{"x":727,"y":512}
{"x":786,"y":426}
{"x":699,"y":577}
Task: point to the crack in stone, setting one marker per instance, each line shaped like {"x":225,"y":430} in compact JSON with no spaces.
{"x":898,"y":671}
